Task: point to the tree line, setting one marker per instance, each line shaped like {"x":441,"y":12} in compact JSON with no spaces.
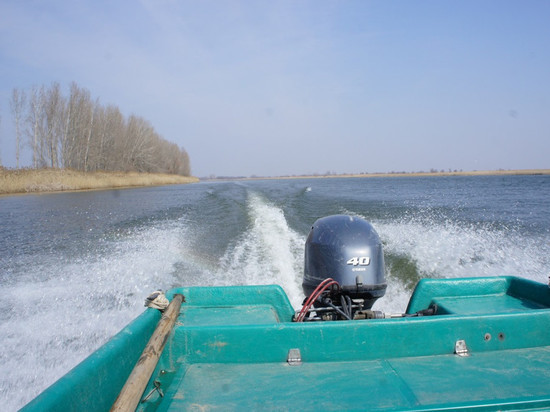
{"x":78,"y":132}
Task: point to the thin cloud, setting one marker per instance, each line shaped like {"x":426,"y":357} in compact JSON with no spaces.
{"x":287,"y":87}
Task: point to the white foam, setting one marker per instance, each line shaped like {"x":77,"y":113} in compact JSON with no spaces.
{"x":55,"y":323}
{"x":269,"y":252}
{"x":450,"y":249}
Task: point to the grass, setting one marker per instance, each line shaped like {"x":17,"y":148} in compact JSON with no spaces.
{"x":55,"y":180}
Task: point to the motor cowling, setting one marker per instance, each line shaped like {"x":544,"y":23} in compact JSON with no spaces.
{"x":348,"y":250}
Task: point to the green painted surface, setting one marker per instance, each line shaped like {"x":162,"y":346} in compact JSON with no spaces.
{"x":229,"y":351}
{"x":480,"y":295}
{"x":445,"y":381}
{"x":229,"y":315}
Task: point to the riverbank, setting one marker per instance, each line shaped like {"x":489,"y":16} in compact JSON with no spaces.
{"x":58,"y":180}
{"x":414,"y":174}
{"x":469,"y":173}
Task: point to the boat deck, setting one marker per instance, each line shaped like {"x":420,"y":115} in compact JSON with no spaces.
{"x":445,"y":382}
{"x":236,"y":355}
{"x":236,"y":348}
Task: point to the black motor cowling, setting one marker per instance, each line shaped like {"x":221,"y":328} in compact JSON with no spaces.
{"x":348,"y":250}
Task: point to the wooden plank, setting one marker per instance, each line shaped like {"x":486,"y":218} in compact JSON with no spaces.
{"x":129,"y":396}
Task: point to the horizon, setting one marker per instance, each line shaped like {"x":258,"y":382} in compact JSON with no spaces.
{"x":498,"y":172}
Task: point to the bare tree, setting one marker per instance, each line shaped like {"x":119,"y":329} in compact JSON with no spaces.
{"x":34,"y":124}
{"x":17,"y":105}
{"x":113,"y":127}
{"x":78,"y":133}
{"x":184,"y":163}
{"x":77,"y":127}
{"x":54,"y":108}
{"x":139,"y":148}
{"x":89,"y":134}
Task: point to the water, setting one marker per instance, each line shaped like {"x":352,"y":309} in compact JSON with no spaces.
{"x":76,"y":267}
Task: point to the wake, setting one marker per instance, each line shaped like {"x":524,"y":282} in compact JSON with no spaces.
{"x":268,"y":252}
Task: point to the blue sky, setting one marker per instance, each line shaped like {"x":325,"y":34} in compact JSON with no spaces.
{"x":296,"y":87}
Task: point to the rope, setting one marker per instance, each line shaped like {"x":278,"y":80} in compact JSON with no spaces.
{"x":157,"y":300}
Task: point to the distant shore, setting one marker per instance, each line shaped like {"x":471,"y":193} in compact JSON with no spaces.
{"x":414,"y":174}
{"x":22,"y":181}
{"x":451,"y":173}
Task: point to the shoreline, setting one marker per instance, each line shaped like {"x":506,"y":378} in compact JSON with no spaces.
{"x":32,"y":181}
{"x":514,"y":172}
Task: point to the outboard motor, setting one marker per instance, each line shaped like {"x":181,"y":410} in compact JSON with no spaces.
{"x":348,"y":250}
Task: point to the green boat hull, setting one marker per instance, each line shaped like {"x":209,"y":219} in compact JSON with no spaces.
{"x":236,"y":348}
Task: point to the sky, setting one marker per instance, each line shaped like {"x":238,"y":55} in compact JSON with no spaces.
{"x":272,"y":88}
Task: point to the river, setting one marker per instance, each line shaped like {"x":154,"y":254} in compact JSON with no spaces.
{"x":76,"y":267}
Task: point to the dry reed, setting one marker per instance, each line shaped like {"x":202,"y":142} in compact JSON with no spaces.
{"x":53,"y":180}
